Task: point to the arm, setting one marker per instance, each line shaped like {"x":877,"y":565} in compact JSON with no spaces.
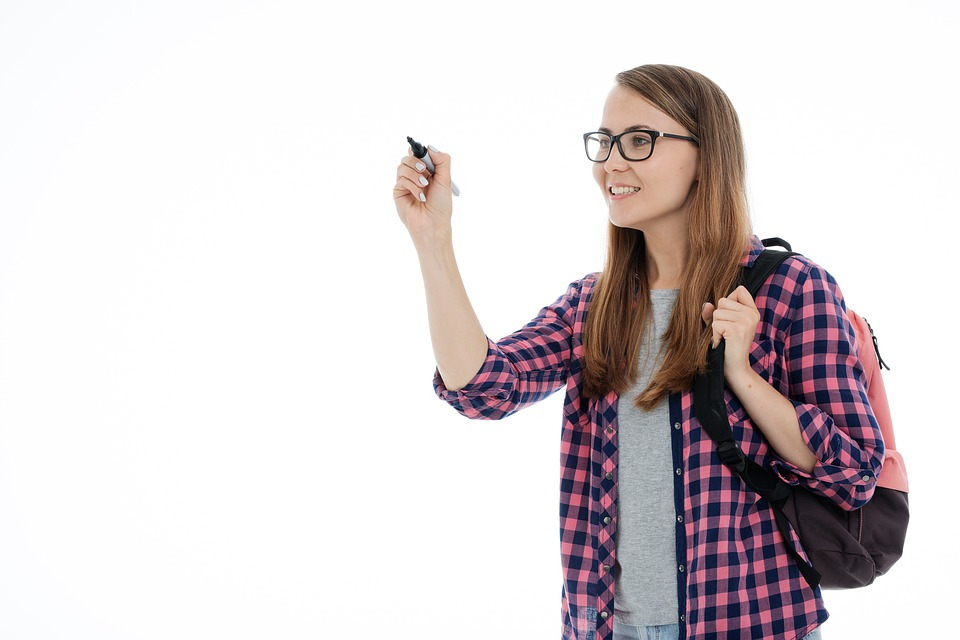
{"x":522,"y":368}
{"x":827,"y":389}
{"x":459,"y":343}
{"x":774,"y":415}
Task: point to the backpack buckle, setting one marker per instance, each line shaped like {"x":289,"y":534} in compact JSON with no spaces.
{"x":731,"y":455}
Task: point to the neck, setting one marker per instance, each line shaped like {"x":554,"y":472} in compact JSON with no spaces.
{"x":666,"y":255}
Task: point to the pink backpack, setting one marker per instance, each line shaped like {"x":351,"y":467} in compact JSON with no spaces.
{"x":893,"y":475}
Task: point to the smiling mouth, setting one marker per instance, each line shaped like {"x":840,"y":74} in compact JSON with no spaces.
{"x":617,"y":193}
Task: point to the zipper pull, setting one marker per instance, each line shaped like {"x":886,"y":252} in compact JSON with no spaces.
{"x":876,"y":347}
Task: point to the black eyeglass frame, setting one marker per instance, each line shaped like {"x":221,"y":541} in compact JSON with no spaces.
{"x":616,"y":139}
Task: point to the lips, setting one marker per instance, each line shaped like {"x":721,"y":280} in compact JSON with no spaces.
{"x":633,"y":189}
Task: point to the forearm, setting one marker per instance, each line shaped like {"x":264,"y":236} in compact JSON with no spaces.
{"x":774,"y":415}
{"x":459,"y":342}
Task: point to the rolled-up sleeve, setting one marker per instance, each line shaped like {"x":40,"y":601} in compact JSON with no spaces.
{"x":827,"y":387}
{"x":522,"y":368}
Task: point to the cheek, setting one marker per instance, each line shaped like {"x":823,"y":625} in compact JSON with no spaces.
{"x":686,"y":176}
{"x":599,"y":175}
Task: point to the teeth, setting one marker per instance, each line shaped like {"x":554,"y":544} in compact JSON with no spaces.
{"x":619,"y":191}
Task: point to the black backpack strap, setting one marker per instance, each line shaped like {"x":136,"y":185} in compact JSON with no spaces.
{"x":765,"y":264}
{"x":711,"y":411}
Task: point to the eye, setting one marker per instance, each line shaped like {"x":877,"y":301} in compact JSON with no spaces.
{"x":640,"y":140}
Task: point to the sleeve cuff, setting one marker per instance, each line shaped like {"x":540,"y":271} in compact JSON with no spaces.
{"x":830,"y":471}
{"x":489,"y":381}
{"x":815,"y":432}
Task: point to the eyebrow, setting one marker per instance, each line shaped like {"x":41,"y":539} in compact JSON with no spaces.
{"x":632,"y":127}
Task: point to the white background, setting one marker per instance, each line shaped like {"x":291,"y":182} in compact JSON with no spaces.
{"x":216,"y":408}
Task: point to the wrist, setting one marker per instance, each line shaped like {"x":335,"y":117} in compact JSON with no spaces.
{"x":437,"y":242}
{"x":741,"y":377}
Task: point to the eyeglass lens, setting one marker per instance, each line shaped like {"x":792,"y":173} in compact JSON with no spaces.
{"x":636,"y":145}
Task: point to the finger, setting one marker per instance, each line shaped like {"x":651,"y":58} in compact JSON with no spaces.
{"x":411,"y":185}
{"x":415,"y":163}
{"x":403,"y":190}
{"x":728,"y":302}
{"x":411,"y":180}
{"x":411,"y":173}
{"x":441,"y":164}
{"x":716,"y":334}
{"x":402,"y":194}
{"x":725,"y":315}
{"x":706,"y":312}
{"x":742,"y":296}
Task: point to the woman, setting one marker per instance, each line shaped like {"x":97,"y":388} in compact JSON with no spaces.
{"x":658,"y":538}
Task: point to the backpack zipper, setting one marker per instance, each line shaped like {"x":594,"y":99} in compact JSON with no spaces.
{"x":876,"y":347}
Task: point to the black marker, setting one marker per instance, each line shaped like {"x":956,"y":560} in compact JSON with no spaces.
{"x":420,"y":151}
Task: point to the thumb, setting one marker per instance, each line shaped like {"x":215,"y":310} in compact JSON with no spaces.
{"x":706,"y":312}
{"x":441,"y":162}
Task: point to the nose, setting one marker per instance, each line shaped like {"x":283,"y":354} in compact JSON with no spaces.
{"x":615,"y":161}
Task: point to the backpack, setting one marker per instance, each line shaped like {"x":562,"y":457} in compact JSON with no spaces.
{"x":847,"y":549}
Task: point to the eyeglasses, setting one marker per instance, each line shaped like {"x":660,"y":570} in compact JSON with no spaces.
{"x":639,"y":144}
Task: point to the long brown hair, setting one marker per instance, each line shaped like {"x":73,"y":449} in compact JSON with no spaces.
{"x":717,"y":234}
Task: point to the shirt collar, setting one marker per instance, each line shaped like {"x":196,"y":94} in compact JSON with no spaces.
{"x":754,"y":248}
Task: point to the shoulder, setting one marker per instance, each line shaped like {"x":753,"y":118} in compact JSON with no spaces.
{"x":588,"y":283}
{"x":576,"y":297}
{"x":800,"y":288}
{"x":790,"y":274}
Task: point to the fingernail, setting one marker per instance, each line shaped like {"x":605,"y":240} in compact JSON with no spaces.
{"x":420,"y":166}
{"x":423,"y":198}
{"x":423,"y":181}
{"x":432,"y":148}
{"x":703,"y":306}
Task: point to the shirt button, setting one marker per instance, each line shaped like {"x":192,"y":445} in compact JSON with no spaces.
{"x":681,"y":568}
{"x":681,"y":617}
{"x":865,"y":478}
{"x":678,"y":471}
{"x":606,"y":520}
{"x":676,"y":425}
{"x":679,"y":518}
{"x":609,"y":429}
{"x":604,"y":615}
{"x":609,"y":476}
{"x":606,"y":567}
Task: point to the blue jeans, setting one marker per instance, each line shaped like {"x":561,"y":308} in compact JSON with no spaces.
{"x":622,"y":631}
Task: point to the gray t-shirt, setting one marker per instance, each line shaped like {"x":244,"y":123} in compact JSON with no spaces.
{"x":646,"y":567}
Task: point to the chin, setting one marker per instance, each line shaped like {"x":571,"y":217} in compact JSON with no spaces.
{"x":627,"y":220}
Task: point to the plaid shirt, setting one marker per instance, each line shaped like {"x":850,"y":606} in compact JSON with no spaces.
{"x":734,"y":577}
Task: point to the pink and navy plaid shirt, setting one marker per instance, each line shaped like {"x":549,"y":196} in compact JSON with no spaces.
{"x":734,"y":577}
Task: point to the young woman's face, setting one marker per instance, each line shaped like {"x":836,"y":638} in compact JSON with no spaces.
{"x":664,"y":179}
